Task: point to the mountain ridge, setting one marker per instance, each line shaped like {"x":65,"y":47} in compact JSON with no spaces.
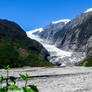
{"x":74,"y":36}
{"x":17,"y":50}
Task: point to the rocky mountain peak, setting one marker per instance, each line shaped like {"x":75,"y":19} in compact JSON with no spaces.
{"x":88,"y":10}
{"x":62,"y":20}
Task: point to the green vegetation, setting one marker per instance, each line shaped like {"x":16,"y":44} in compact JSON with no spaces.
{"x":15,"y":55}
{"x":86,"y":62}
{"x":17,"y":50}
{"x":12,"y":84}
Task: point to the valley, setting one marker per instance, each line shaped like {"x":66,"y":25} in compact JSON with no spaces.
{"x":55,"y":56}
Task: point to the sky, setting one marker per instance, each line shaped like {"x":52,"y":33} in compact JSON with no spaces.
{"x":31,"y":14}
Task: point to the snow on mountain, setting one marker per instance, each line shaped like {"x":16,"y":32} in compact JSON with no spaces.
{"x":63,"y":20}
{"x":34,"y":31}
{"x":51,"y":29}
{"x":88,"y":10}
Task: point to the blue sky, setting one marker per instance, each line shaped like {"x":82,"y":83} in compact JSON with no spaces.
{"x":30,"y":14}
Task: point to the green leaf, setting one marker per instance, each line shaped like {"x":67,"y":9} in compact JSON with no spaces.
{"x":13,"y":87}
{"x":27,"y":89}
{"x":23,"y":77}
{"x":1,"y":78}
{"x":34,"y":88}
{"x":7,"y":68}
{"x":13,"y":79}
{"x":27,"y":75}
{"x":2,"y":90}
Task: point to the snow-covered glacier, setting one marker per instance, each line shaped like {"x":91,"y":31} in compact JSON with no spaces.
{"x":58,"y":56}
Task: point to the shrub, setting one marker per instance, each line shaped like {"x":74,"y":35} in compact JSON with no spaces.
{"x":12,"y":86}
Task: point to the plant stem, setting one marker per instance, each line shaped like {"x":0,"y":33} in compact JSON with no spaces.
{"x":26,"y":83}
{"x":7,"y":82}
{"x":7,"y":79}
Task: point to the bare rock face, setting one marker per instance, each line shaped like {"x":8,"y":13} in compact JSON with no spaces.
{"x":50,"y":30}
{"x":76,"y":34}
{"x":72,"y":35}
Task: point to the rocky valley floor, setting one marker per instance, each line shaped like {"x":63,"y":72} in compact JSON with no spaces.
{"x":66,"y":79}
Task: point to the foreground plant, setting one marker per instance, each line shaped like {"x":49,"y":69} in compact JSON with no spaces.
{"x":12,"y":84}
{"x":28,"y":88}
{"x":8,"y":85}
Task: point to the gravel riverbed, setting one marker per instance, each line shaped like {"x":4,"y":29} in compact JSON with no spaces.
{"x":66,"y":79}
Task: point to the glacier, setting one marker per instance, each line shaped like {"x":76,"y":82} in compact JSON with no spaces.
{"x":58,"y":56}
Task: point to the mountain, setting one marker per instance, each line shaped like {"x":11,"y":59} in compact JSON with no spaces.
{"x":57,"y":56}
{"x":50,"y":30}
{"x":17,"y":50}
{"x":88,"y":10}
{"x":73,"y":36}
{"x":69,"y":35}
{"x":36,"y":31}
{"x":76,"y":35}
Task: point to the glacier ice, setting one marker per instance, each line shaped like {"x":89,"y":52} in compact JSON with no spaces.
{"x":58,"y":56}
